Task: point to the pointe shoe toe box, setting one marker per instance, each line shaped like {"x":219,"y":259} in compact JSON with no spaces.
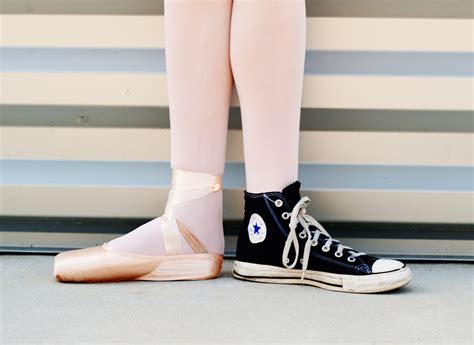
{"x":97,"y":264}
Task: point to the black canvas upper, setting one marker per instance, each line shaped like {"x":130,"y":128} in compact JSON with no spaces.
{"x":269,"y":251}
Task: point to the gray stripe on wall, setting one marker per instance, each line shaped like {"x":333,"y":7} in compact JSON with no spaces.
{"x":314,"y":8}
{"x":232,"y":227}
{"x":311,"y":119}
{"x":315,"y":176}
{"x":82,"y":60}
{"x":54,"y":234}
{"x":389,"y":63}
{"x":317,"y":62}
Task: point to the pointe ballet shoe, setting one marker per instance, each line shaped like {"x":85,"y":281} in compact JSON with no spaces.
{"x":107,"y":264}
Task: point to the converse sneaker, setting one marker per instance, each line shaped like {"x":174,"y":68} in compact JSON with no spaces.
{"x":280,"y":243}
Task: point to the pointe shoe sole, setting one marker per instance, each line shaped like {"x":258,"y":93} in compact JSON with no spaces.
{"x":373,"y":283}
{"x":186,"y":267}
{"x":106,"y":264}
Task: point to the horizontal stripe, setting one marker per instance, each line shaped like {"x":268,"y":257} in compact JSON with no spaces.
{"x":139,"y":202}
{"x":82,"y":60}
{"x":406,"y":248}
{"x":315,"y":176}
{"x":229,"y":254}
{"x":389,"y":63}
{"x":145,"y":32}
{"x":323,"y":147}
{"x":320,"y":8}
{"x":311,"y":119}
{"x":317,"y":62}
{"x":346,"y":92}
{"x":233,"y":227}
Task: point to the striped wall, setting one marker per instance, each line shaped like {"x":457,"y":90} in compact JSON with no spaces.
{"x":386,"y":147}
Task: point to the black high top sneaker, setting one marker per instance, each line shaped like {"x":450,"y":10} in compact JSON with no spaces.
{"x":280,"y":243}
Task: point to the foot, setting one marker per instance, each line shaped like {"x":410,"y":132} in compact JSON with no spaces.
{"x":186,"y":242}
{"x":203,"y":218}
{"x":279,"y":243}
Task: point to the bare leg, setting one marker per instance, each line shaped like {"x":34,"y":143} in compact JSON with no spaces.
{"x":267,"y":57}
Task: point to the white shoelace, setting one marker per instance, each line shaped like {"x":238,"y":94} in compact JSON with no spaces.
{"x":298,"y":215}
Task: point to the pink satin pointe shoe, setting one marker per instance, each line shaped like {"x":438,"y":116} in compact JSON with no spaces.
{"x":107,"y":264}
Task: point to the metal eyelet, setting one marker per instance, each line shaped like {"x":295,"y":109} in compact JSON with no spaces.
{"x":278,"y":203}
{"x":326,"y":249}
{"x":302,"y":235}
{"x":285,"y":215}
{"x":301,"y":261}
{"x":338,"y":254}
{"x":351,"y":259}
{"x":314,"y":243}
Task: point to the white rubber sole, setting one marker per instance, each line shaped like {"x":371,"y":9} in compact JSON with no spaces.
{"x":372,"y":283}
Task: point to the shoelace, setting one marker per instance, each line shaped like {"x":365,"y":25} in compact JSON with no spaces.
{"x":298,"y":215}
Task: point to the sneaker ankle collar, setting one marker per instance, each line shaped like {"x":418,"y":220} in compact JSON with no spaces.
{"x":290,"y":193}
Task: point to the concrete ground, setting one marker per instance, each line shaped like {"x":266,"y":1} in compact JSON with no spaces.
{"x":435,"y":308}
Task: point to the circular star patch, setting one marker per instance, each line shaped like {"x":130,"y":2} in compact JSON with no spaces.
{"x":257,"y":229}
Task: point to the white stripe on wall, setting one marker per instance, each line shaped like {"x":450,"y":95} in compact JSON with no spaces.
{"x":369,"y":34}
{"x":316,"y":147}
{"x":123,"y":89}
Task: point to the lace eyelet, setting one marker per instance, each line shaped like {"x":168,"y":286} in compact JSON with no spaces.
{"x":278,"y":203}
{"x":287,"y":261}
{"x":326,"y":249}
{"x":301,"y":261}
{"x":285,"y":215}
{"x":351,"y":259}
{"x":338,"y":254}
{"x":302,"y":235}
{"x":314,"y":243}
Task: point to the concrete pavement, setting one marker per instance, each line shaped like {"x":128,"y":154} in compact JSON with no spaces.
{"x":435,"y":308}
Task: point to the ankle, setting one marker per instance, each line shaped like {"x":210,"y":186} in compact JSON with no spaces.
{"x":203,"y":218}
{"x":188,"y":187}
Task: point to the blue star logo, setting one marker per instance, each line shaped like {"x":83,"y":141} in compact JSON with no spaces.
{"x":256,"y":228}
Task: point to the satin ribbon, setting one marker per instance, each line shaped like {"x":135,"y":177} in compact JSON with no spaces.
{"x":185,"y":186}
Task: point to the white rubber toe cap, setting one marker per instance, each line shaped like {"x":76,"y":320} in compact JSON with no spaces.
{"x":386,"y":265}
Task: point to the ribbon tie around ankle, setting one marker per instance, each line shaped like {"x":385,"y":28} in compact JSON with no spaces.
{"x":185,"y":186}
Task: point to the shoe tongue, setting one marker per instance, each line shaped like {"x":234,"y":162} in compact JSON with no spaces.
{"x":292,"y":193}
